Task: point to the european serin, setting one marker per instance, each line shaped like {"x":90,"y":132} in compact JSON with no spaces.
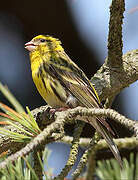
{"x":63,"y":84}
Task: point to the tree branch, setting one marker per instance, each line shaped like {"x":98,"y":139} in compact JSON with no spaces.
{"x":122,"y":143}
{"x":73,"y":152}
{"x":115,"y":43}
{"x":68,"y":117}
{"x":109,"y":81}
{"x":86,"y":156}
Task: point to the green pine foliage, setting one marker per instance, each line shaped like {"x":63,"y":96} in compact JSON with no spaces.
{"x":22,"y":168}
{"x":110,"y":169}
{"x":18,"y":119}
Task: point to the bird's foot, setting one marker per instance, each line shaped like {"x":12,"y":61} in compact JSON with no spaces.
{"x":53,"y":111}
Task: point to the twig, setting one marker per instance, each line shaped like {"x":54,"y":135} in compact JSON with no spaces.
{"x":80,"y":112}
{"x":122,"y":143}
{"x":73,"y":152}
{"x":83,"y":161}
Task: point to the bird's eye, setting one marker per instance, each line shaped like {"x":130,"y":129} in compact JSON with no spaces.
{"x":42,"y":40}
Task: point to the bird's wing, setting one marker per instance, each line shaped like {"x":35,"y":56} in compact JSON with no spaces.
{"x":73,"y":78}
{"x":75,"y":81}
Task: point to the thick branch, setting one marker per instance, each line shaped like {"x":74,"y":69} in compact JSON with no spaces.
{"x":109,"y":81}
{"x":115,"y":43}
{"x":7,"y":144}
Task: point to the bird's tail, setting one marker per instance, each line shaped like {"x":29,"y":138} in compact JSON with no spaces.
{"x":108,"y":138}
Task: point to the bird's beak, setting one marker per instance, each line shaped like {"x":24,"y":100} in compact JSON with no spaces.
{"x":30,"y":46}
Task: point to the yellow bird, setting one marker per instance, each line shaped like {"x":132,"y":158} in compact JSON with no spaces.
{"x":63,"y":84}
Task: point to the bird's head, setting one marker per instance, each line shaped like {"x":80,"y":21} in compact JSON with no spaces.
{"x":43,"y":43}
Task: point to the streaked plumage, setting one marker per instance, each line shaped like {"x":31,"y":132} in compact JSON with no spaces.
{"x":63,"y":84}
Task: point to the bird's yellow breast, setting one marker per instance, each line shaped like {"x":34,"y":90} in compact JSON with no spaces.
{"x":44,"y":83}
